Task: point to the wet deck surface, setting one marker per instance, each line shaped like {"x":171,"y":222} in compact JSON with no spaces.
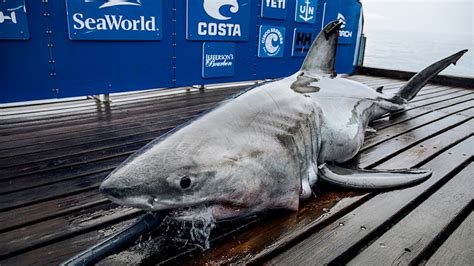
{"x":54,"y":155}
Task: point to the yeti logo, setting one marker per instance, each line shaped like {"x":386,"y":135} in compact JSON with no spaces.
{"x":111,"y":3}
{"x":273,"y":9}
{"x":212,"y":8}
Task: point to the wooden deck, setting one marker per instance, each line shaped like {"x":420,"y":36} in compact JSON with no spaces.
{"x":54,"y":155}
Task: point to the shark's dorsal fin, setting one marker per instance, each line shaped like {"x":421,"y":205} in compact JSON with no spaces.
{"x":322,"y":54}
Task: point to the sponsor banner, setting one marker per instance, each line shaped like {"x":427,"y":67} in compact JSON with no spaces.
{"x":302,"y":40}
{"x":275,"y":9}
{"x":13,"y":20}
{"x":115,"y":19}
{"x":218,"y":59}
{"x":348,"y":28}
{"x":218,"y":20}
{"x":306,"y":11}
{"x":271,"y":42}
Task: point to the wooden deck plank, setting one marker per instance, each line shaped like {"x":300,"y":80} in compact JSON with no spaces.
{"x":66,"y":184}
{"x":349,"y":233}
{"x":42,"y":193}
{"x":73,"y":159}
{"x":431,"y":101}
{"x":419,"y":121}
{"x":458,"y":250}
{"x":88,"y":130}
{"x":436,"y":94}
{"x":22,"y":182}
{"x":432,"y":95}
{"x":433,"y":89}
{"x":59,"y":251}
{"x":435,"y":145}
{"x":89,"y":146}
{"x":454,"y":129}
{"x":23,"y":239}
{"x":410,"y":114}
{"x":29,"y":214}
{"x":106,"y":114}
{"x":94,"y":126}
{"x":407,"y":240}
{"x":66,"y":106}
{"x":84,"y":112}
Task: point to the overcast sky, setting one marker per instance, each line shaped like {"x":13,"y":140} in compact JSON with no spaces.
{"x":430,"y":16}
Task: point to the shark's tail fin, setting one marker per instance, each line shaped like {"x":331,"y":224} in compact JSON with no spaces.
{"x":322,"y":54}
{"x":414,"y":85}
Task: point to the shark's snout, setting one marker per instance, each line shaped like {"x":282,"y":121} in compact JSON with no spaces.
{"x":113,"y":190}
{"x":125,"y":195}
{"x":110,"y":191}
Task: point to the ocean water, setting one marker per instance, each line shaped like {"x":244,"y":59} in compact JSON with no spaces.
{"x":414,"y":51}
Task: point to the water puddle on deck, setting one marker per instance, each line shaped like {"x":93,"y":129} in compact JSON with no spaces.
{"x":182,"y":231}
{"x":201,"y":228}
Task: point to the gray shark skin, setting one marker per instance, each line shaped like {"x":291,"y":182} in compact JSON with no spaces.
{"x":265,"y":148}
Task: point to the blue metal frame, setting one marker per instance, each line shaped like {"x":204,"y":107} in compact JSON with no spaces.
{"x":51,"y":65}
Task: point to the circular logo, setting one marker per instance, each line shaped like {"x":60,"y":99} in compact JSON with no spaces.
{"x":271,"y":41}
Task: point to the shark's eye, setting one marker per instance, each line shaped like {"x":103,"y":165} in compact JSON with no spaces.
{"x":185,"y":182}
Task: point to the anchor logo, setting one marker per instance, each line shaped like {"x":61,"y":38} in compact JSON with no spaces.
{"x":306,"y":11}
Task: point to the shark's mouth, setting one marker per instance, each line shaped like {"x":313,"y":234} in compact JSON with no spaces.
{"x":220,"y":210}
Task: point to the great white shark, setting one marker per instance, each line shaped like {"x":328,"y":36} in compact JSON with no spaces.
{"x":265,"y":148}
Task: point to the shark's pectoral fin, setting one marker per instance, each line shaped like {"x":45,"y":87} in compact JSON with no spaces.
{"x":370,"y":179}
{"x":308,"y":180}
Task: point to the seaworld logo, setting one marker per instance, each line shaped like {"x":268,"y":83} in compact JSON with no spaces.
{"x":114,"y":22}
